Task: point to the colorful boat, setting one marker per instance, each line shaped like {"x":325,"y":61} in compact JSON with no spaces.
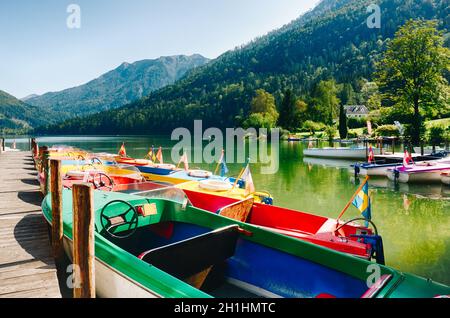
{"x":339,"y":152}
{"x":347,"y":237}
{"x":421,"y":172}
{"x":164,"y":248}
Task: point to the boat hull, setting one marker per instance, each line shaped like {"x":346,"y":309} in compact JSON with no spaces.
{"x":338,"y":153}
{"x":416,"y":177}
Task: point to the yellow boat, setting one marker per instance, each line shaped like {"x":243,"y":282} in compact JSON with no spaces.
{"x":220,"y":197}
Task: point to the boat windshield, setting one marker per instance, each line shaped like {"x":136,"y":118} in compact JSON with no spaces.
{"x":167,"y":193}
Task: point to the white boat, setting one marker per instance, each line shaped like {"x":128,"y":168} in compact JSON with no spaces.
{"x":445,"y":178}
{"x":374,"y":170}
{"x":339,"y":152}
{"x":422,"y":172}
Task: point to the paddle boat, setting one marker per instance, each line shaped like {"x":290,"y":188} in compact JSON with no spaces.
{"x":150,"y":247}
{"x":339,"y":152}
{"x":348,"y":237}
{"x":420,"y":172}
{"x":102,"y":175}
{"x":383,"y":163}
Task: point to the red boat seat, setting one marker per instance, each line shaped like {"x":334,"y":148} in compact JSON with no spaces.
{"x":325,"y":295}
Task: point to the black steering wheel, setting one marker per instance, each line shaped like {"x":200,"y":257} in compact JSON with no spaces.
{"x":98,"y":160}
{"x":99,"y":181}
{"x":111,"y":222}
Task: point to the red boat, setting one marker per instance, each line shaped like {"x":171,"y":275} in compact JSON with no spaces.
{"x":347,"y":237}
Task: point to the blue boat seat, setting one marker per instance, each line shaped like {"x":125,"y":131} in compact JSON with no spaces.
{"x":191,"y":256}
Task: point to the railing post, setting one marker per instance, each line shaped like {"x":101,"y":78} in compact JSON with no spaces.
{"x":46,"y":169}
{"x":57,"y":218}
{"x":83,"y":241}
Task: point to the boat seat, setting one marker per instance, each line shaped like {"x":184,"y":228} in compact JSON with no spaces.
{"x":238,"y":211}
{"x":194,"y":255}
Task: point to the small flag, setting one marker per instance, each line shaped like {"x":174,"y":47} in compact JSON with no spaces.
{"x":122,"y":151}
{"x":149,"y":154}
{"x":362,"y":202}
{"x":371,"y":157}
{"x":184,"y":160}
{"x":223,"y":165}
{"x":407,"y":159}
{"x":247,"y":177}
{"x":159,"y":155}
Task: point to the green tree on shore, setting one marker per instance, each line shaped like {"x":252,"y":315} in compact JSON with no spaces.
{"x":263,"y":112}
{"x":288,"y":111}
{"x":411,"y":73}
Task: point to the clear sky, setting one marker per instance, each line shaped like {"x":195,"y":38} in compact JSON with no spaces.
{"x":39,"y":53}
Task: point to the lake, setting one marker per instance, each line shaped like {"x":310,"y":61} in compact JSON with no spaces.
{"x":414,"y":220}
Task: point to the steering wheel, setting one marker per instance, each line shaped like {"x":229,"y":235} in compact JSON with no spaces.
{"x":110,"y":222}
{"x":101,"y":183}
{"x":95,"y":159}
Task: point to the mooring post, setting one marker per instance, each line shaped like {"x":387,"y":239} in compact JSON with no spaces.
{"x":83,"y":241}
{"x":57,"y":219}
{"x":1,"y":148}
{"x":3,"y":144}
{"x":46,"y":169}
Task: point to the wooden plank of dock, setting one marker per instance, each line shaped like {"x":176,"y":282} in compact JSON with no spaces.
{"x":27,"y":268}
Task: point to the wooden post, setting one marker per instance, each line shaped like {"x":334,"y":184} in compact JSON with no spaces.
{"x":393,"y":145}
{"x":83,"y":241}
{"x":1,"y":148}
{"x":3,"y":144}
{"x":46,"y":169}
{"x":57,"y":219}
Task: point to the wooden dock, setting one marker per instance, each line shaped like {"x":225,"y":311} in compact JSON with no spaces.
{"x":27,"y":267}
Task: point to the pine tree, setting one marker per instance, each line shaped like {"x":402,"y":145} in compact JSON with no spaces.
{"x":343,"y":131}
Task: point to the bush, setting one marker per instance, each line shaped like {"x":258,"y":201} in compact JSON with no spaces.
{"x":387,"y":131}
{"x":352,"y":134}
{"x":436,"y":135}
{"x":312,"y":126}
{"x":330,"y":131}
{"x":356,"y":123}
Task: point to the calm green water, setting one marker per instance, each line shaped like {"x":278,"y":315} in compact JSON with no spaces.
{"x":413,"y":220}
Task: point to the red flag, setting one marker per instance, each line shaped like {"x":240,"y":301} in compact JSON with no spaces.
{"x":407,"y":158}
{"x":371,"y":157}
{"x":159,"y":155}
{"x":122,"y":151}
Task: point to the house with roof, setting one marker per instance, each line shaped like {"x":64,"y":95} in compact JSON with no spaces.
{"x":356,"y":111}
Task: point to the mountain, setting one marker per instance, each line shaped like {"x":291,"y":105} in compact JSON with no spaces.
{"x":24,"y":99}
{"x":330,"y":41}
{"x":125,"y":84}
{"x":18,"y":116}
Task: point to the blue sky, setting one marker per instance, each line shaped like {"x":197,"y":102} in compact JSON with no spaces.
{"x":39,"y":53}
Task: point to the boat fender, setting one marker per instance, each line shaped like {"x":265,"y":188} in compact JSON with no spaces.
{"x":396,"y":174}
{"x":200,"y":173}
{"x":357,"y":170}
{"x":215,"y":185}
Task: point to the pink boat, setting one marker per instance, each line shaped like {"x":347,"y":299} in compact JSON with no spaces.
{"x":421,"y":172}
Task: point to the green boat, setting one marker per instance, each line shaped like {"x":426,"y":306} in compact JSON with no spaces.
{"x":158,"y":245}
